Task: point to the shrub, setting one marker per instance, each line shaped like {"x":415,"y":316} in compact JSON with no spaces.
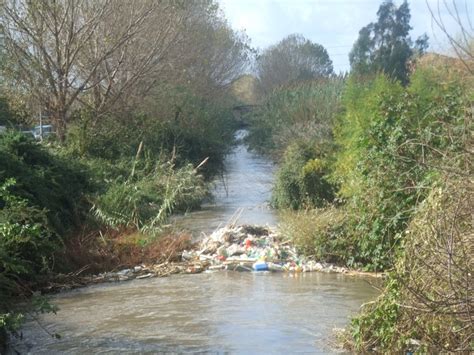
{"x":26,"y":251}
{"x":301,"y":178}
{"x":391,"y":141}
{"x":321,"y":233}
{"x":47,"y":181}
{"x":146,"y":199}
{"x":177,"y":123}
{"x":427,"y":303}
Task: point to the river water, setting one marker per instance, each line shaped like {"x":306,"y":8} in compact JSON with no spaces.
{"x":219,"y":312}
{"x":241,"y":195}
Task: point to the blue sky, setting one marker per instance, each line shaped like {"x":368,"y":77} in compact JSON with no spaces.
{"x":333,"y":23}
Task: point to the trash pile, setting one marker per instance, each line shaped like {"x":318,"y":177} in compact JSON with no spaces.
{"x":250,"y":248}
{"x":233,"y":248}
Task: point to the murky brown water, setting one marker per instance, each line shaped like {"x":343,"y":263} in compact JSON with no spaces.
{"x":212,"y":312}
{"x":216,"y":312}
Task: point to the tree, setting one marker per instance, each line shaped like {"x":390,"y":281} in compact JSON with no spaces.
{"x":92,"y":53}
{"x":210,"y":55}
{"x":386,"y":45}
{"x":292,"y":59}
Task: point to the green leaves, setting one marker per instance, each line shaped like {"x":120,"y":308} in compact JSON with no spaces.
{"x":147,"y":199}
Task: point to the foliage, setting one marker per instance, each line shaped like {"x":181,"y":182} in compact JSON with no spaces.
{"x":301,"y":180}
{"x":427,"y":302}
{"x":293,"y":59}
{"x":379,"y":318}
{"x":26,"y":249}
{"x":177,"y":123}
{"x":389,"y":140}
{"x":25,"y":240}
{"x":51,"y":63}
{"x":385,"y":46}
{"x":145,"y":200}
{"x":8,"y":116}
{"x":47,"y":181}
{"x":303,"y":111}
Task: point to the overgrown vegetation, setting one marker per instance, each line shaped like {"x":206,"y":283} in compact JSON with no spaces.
{"x":302,"y":111}
{"x":384,"y":182}
{"x":427,"y":303}
{"x":375,"y":167}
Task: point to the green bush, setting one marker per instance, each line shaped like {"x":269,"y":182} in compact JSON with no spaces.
{"x":26,"y":242}
{"x":321,"y":233}
{"x":390,"y":139}
{"x":301,"y":178}
{"x":426,"y":305}
{"x":46,"y":180}
{"x":177,"y":124}
{"x":27,"y":246}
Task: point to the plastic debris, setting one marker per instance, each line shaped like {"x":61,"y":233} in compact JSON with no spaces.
{"x":234,"y":248}
{"x":253,"y":248}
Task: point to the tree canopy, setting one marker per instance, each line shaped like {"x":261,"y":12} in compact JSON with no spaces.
{"x":294,"y":58}
{"x":385,"y":45}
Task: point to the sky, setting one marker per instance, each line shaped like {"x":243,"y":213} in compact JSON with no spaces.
{"x":333,"y":23}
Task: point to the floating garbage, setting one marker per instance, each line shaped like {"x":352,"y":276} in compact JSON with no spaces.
{"x":260,"y":266}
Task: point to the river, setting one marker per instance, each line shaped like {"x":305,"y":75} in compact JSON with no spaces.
{"x":210,"y":312}
{"x":241,"y":194}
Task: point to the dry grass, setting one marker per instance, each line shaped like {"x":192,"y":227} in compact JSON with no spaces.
{"x":318,"y":232}
{"x":118,"y":249}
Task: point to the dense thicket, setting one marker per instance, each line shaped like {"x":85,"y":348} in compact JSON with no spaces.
{"x":398,"y":176}
{"x":294,"y":125}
